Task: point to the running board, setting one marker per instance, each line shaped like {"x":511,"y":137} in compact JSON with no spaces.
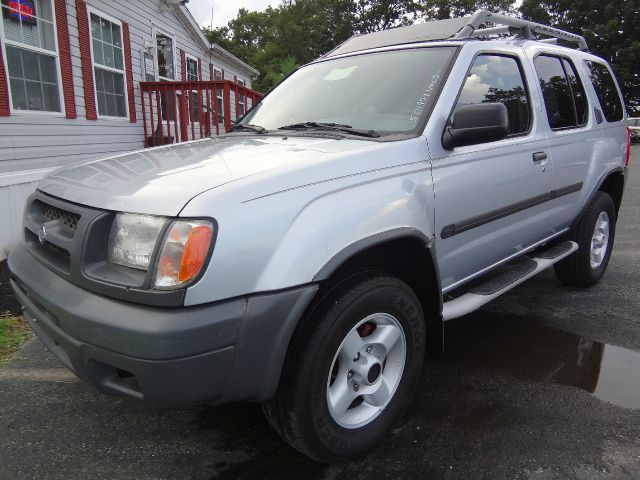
{"x":509,"y":277}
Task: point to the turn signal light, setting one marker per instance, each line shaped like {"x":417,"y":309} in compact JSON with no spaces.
{"x":184,"y":252}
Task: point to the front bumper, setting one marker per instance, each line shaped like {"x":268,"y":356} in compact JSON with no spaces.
{"x":213,"y":353}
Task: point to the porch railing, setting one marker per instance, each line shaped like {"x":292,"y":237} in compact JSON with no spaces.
{"x":181,"y":111}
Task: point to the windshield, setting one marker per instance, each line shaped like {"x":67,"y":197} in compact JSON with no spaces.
{"x":385,"y":92}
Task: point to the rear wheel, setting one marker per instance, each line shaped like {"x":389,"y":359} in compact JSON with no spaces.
{"x":594,"y":235}
{"x":352,"y":369}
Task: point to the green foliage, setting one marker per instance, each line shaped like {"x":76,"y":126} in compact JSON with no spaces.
{"x":13,"y":333}
{"x":610,"y":28}
{"x":278,"y":40}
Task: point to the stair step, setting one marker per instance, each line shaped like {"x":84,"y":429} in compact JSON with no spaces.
{"x":505,"y":275}
{"x":555,"y":251}
{"x":504,"y":278}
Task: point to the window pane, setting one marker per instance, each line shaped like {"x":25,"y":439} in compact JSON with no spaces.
{"x":18,"y":94}
{"x":556,"y":92}
{"x":605,"y":87}
{"x":102,"y":104}
{"x":43,"y":9}
{"x":47,"y":39}
{"x":12,"y":27}
{"x":111,"y":106}
{"x":106,"y":31}
{"x":165,"y":56}
{"x":48,"y":69}
{"x":51,"y":99}
{"x":108,"y":55}
{"x":95,"y":27}
{"x":115,"y":29}
{"x":120,"y":106}
{"x":14,"y":61}
{"x":498,"y":79}
{"x":98,"y":55}
{"x":579,"y":96}
{"x":35,"y":99}
{"x":99,"y":80}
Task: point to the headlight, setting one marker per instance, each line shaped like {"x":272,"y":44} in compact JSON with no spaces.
{"x":184,"y":252}
{"x":133,"y":239}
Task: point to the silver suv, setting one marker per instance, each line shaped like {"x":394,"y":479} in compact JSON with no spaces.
{"x":308,"y":259}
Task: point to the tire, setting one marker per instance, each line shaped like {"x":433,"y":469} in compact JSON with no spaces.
{"x":317,"y":364}
{"x":577,"y":269}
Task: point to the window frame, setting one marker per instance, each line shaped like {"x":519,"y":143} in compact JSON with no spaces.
{"x":155,"y":29}
{"x":109,"y":18}
{"x":43,"y":51}
{"x":527,"y":89}
{"x":221,"y":74}
{"x":187,"y":57}
{"x":242,"y":105}
{"x":573,"y":100}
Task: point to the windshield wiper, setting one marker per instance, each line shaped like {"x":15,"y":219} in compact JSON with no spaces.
{"x":249,"y":126}
{"x":331,"y":126}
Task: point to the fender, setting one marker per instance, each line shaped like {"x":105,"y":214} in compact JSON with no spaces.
{"x":596,"y":189}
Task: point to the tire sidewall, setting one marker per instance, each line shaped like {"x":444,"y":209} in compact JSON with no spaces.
{"x":402,"y":304}
{"x":602,"y":203}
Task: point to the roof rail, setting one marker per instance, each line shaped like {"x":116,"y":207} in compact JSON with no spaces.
{"x":506,"y":25}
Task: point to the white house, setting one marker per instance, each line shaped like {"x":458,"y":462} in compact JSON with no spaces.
{"x":83,"y":79}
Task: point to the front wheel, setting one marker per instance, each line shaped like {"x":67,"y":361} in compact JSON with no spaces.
{"x":352,"y":369}
{"x":594,"y":235}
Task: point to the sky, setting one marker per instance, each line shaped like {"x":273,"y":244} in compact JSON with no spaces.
{"x":224,"y":10}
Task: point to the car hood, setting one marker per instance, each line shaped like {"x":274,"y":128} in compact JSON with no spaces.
{"x":160,"y":181}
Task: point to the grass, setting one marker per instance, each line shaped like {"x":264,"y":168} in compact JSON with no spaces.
{"x":14,"y":332}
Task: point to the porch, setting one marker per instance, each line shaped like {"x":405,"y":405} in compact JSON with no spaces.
{"x":181,"y":111}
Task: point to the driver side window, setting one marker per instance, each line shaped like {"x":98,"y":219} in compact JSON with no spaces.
{"x":497,"y":78}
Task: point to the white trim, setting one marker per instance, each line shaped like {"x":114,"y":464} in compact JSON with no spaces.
{"x":91,"y":10}
{"x":155,"y":29}
{"x":25,"y":46}
{"x":24,"y":176}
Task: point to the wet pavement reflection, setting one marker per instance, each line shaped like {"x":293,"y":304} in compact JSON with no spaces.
{"x":533,"y":352}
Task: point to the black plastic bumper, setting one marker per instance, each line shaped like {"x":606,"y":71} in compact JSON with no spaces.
{"x":214,"y":353}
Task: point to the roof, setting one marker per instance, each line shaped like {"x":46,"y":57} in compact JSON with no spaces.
{"x":462,"y":28}
{"x":187,"y":18}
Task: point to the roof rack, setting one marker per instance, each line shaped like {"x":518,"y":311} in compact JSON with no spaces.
{"x":460,"y":28}
{"x":509,"y":25}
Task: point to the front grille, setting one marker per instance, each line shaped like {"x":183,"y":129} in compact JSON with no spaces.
{"x":68,"y":219}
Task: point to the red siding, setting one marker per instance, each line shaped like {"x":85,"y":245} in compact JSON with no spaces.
{"x":66,"y":71}
{"x":4,"y":90}
{"x":85,"y":56}
{"x":126,"y":39}
{"x":183,"y":65}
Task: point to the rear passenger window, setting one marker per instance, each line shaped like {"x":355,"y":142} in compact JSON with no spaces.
{"x":564,"y":97}
{"x":605,"y":87}
{"x":498,"y":79}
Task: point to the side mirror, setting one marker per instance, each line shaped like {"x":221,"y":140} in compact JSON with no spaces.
{"x":473,"y":124}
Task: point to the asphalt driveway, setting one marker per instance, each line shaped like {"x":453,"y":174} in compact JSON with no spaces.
{"x":543,"y":383}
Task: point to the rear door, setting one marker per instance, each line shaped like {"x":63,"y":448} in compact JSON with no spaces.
{"x":575,"y":137}
{"x":489,"y":198}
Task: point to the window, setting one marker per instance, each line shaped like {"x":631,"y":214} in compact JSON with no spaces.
{"x":192,"y":69}
{"x":564,"y":97}
{"x":165,"y":56}
{"x":241,"y":97}
{"x":498,"y":78}
{"x":32,"y":55}
{"x":605,"y":87}
{"x":217,"y":74}
{"x":108,"y":66}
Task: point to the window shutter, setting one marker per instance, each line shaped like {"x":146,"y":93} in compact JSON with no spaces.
{"x":183,"y":65}
{"x":4,"y":90}
{"x":64,"y":48}
{"x":200,"y":69}
{"x":126,"y":40}
{"x":85,"y":56}
{"x":211,"y":77}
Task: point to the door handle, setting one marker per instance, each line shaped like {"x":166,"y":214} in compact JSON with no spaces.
{"x":539,"y":157}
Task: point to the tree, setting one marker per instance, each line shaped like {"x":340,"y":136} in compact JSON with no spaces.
{"x":610,"y":28}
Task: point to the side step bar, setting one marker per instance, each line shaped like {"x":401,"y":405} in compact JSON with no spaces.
{"x":510,"y":277}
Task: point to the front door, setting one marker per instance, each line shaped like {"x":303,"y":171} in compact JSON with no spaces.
{"x":490,"y":197}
